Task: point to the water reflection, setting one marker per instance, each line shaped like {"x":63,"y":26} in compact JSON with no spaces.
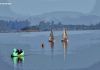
{"x":51,"y":44}
{"x":17,"y":60}
{"x":65,"y":46}
{"x":52,"y":48}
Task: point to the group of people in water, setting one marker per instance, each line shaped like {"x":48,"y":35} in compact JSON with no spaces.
{"x":17,"y":52}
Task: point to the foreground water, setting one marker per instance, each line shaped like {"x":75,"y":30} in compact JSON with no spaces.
{"x":82,"y":52}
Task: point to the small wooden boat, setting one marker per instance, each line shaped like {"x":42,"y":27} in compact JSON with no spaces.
{"x":64,"y":36}
{"x":51,"y":37}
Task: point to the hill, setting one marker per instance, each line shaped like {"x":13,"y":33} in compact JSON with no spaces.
{"x":74,"y":18}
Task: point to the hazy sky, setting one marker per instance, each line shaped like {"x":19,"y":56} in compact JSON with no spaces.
{"x":35,"y":7}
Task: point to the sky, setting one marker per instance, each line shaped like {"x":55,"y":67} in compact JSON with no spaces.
{"x":36,"y":7}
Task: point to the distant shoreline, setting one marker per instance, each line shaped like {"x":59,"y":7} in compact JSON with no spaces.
{"x":45,"y":31}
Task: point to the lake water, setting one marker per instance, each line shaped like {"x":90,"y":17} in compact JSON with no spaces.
{"x":82,"y":52}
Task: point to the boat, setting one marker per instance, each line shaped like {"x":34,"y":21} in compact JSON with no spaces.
{"x":64,"y":36}
{"x":17,"y":54}
{"x":51,"y":37}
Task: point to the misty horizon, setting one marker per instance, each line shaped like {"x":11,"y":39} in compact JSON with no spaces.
{"x":34,"y":7}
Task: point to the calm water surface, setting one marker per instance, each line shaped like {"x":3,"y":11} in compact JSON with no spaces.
{"x":82,"y":52}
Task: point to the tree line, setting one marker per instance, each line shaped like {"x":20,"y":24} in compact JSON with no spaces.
{"x":47,"y":26}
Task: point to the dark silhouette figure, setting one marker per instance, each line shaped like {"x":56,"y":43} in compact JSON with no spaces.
{"x":42,"y":45}
{"x":19,"y":51}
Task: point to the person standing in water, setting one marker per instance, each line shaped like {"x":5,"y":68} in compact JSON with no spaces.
{"x":42,"y":45}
